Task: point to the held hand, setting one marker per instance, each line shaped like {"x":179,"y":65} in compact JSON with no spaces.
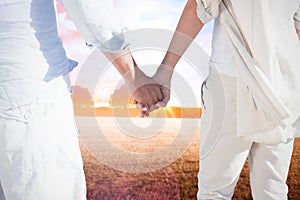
{"x":163,"y":77}
{"x":145,"y":111}
{"x":146,"y":97}
{"x":145,"y":91}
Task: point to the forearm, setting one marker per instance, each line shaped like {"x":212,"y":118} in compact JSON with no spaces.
{"x":187,"y":29}
{"x":123,"y":62}
{"x":97,"y":22}
{"x":298,"y":33}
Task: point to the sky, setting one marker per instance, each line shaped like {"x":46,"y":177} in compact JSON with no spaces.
{"x":134,"y":15}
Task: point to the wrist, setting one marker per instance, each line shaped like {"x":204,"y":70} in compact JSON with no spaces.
{"x":136,"y":79}
{"x":164,"y":74}
{"x":132,"y":75}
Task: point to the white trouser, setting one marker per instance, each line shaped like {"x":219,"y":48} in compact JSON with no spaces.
{"x":223,"y":154}
{"x":39,"y":151}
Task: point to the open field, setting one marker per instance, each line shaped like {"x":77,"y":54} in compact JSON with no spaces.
{"x":177,"y":180}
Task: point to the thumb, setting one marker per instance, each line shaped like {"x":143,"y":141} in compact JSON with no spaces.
{"x":166,"y":97}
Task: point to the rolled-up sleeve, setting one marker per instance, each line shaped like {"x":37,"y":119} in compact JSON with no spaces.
{"x":96,"y":20}
{"x":208,"y":10}
{"x":297,"y":18}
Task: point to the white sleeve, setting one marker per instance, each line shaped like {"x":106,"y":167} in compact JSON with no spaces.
{"x":297,"y":18}
{"x":96,"y":20}
{"x":208,"y":9}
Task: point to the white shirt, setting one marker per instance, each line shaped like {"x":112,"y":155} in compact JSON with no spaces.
{"x":32,"y":52}
{"x":271,"y":72}
{"x":96,"y":20}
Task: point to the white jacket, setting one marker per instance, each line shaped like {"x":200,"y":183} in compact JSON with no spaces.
{"x":267,"y":49}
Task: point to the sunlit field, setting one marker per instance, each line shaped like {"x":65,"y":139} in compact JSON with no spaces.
{"x":177,"y":180}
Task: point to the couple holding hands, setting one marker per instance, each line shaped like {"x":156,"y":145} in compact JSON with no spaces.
{"x":255,"y":60}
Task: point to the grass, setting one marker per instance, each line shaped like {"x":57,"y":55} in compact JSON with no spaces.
{"x":176,"y":181}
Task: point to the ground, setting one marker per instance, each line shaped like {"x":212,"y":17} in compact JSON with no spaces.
{"x":176,"y":181}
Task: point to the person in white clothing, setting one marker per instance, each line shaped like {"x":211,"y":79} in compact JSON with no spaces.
{"x":39,"y":151}
{"x":255,"y":62}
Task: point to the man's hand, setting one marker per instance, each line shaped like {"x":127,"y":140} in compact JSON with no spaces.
{"x":162,"y":77}
{"x":145,"y":90}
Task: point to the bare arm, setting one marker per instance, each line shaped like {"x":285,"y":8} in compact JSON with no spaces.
{"x":298,"y":32}
{"x":123,"y":61}
{"x":97,"y":22}
{"x":187,"y":29}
